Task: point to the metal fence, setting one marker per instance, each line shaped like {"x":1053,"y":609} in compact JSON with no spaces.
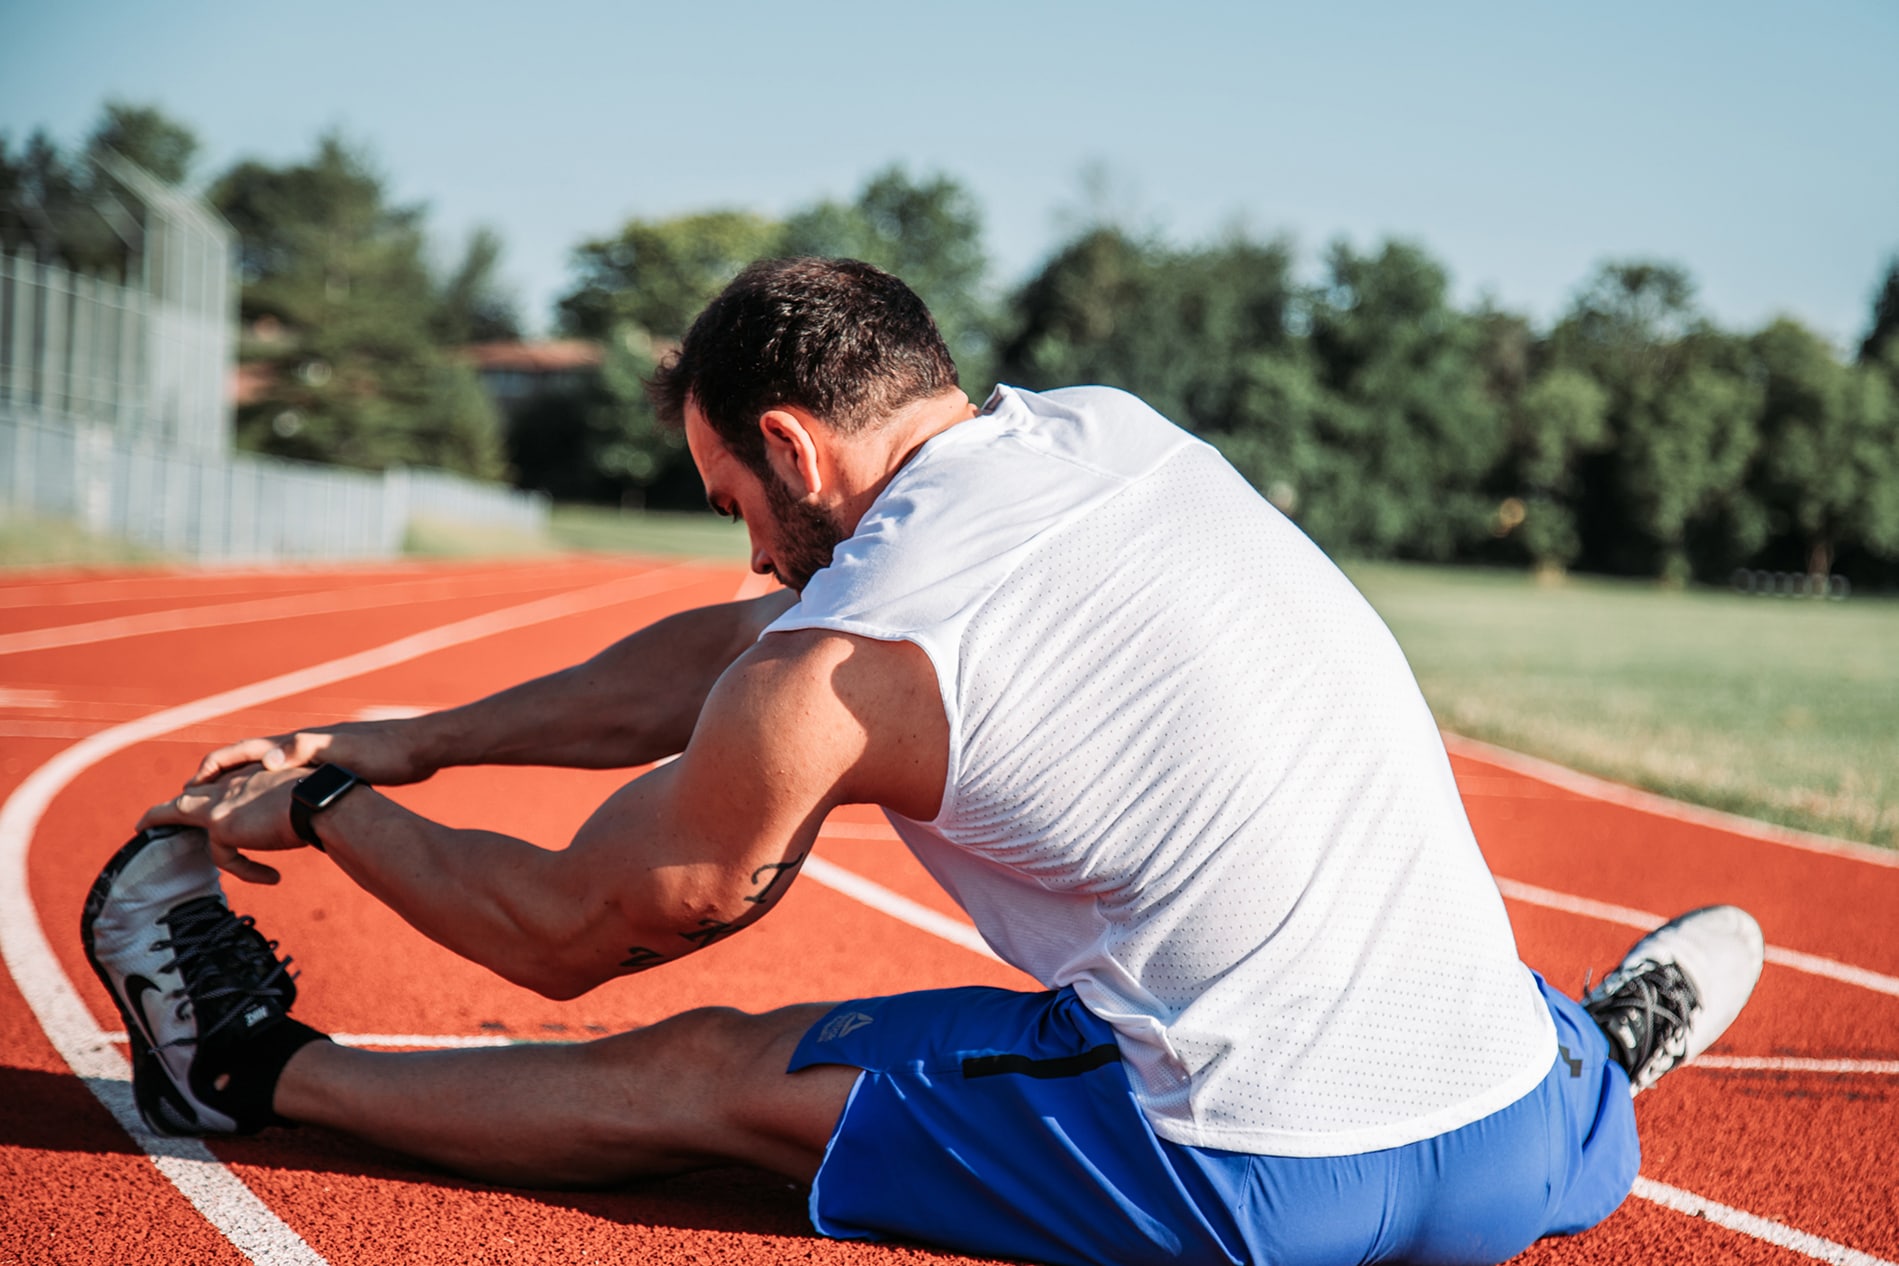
{"x":115,"y":412}
{"x":237,"y":507}
{"x":150,"y":357}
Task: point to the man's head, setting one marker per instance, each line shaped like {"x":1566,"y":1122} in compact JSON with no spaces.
{"x":796,"y":348}
{"x":842,"y":340}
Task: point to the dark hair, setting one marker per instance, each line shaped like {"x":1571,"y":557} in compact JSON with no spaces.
{"x":845,"y":341}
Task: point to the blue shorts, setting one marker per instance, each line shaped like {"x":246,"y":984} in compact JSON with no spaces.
{"x":1002,"y":1124}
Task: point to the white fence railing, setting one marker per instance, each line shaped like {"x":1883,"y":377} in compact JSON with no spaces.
{"x":231,"y":508}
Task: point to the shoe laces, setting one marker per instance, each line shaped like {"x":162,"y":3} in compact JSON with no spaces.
{"x":226,"y":964}
{"x":1645,"y":1008}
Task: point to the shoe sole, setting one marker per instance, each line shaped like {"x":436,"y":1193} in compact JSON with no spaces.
{"x":159,"y":1102}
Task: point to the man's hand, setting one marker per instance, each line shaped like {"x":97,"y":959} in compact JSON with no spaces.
{"x":244,"y":811}
{"x":380,"y":752}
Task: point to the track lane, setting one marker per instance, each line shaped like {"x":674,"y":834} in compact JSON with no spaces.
{"x":234,"y":1208}
{"x":28,"y":629}
{"x":896,"y":975}
{"x":1563,"y":944}
{"x":1814,"y":1152}
{"x":1622,"y":855}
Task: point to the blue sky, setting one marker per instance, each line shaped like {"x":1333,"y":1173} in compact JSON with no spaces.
{"x":1755,"y":143}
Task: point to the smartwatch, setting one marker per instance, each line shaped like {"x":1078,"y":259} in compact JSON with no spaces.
{"x":315,"y":792}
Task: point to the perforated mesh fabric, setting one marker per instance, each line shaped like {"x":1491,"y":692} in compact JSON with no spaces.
{"x":1193,"y":776}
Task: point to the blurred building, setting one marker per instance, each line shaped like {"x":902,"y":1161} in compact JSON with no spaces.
{"x":517,"y":375}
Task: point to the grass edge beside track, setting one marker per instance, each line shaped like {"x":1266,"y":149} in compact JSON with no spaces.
{"x":1778,"y":710}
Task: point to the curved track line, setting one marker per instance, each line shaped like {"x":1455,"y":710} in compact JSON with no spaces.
{"x":1642,"y":920}
{"x":252,"y":610}
{"x":897,"y":906}
{"x":1661,"y":806}
{"x":1796,"y":1064}
{"x":1750,"y":1224}
{"x":216,"y":1192}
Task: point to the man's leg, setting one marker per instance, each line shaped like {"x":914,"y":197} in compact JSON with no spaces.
{"x":206,"y":1004}
{"x":700,"y":1088}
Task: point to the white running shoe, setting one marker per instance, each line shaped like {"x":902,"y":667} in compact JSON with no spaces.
{"x":1678,"y":990}
{"x":195,"y":984}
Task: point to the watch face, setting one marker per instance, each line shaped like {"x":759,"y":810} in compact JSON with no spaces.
{"x":323,"y":784}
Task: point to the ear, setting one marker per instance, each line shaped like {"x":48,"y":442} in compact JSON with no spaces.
{"x":794,"y":449}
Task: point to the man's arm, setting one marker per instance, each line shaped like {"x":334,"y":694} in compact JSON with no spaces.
{"x":631,"y":704}
{"x":677,"y":859}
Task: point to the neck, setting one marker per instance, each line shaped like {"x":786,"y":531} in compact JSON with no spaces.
{"x":866,"y":467}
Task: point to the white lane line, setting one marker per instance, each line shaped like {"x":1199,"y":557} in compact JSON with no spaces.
{"x":217,"y":1193}
{"x":1812,"y":964}
{"x":1662,"y":807}
{"x":1796,"y":1064}
{"x":323,"y":602}
{"x":755,"y":585}
{"x":897,"y":906}
{"x":431,"y":1041}
{"x":1760,"y":1228}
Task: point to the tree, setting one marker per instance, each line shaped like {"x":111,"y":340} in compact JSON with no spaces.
{"x":656,"y":275}
{"x":1561,"y":415}
{"x":1681,"y":420}
{"x":472,"y":307}
{"x":1687,"y":450}
{"x":144,"y":135}
{"x":928,"y":232}
{"x":344,"y":315}
{"x":1407,"y":424}
{"x":67,"y":210}
{"x":1829,"y":460}
{"x":635,"y":293}
{"x":1882,"y":340}
{"x":1076,"y":320}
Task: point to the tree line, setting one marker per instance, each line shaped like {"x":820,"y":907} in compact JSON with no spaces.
{"x":1633,"y":435}
{"x":349,"y":329}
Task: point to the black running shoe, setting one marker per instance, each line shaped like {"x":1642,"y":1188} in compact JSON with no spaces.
{"x":1678,"y":990}
{"x":204,"y":997}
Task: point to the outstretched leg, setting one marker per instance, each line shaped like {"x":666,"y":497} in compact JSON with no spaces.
{"x":700,"y":1088}
{"x":206,"y":1004}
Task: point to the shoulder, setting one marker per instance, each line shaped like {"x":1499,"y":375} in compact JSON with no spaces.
{"x":851,"y":719}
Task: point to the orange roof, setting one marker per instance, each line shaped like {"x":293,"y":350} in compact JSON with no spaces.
{"x":534,"y":358}
{"x":250,"y":381}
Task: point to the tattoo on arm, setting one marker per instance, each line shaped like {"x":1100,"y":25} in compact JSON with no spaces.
{"x":639,"y":958}
{"x":708,"y":931}
{"x":777,"y":871}
{"x":771,"y":880}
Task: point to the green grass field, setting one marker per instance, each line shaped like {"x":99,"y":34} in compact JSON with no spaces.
{"x":593,"y":529}
{"x":36,"y":542}
{"x":1778,"y":709}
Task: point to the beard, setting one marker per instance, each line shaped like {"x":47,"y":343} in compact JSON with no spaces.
{"x":806,"y":537}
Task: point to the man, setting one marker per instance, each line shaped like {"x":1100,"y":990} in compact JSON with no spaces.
{"x":1143,"y":731}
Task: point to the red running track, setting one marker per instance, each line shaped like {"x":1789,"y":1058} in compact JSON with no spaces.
{"x":1784,"y":1147}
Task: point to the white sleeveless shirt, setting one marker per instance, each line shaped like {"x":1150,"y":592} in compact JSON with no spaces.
{"x":1191,"y":775}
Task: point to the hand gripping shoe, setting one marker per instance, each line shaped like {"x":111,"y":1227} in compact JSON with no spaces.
{"x":1678,"y":990}
{"x":204,"y":998}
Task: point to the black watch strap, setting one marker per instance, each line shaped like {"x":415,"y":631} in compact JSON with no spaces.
{"x":315,"y":792}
